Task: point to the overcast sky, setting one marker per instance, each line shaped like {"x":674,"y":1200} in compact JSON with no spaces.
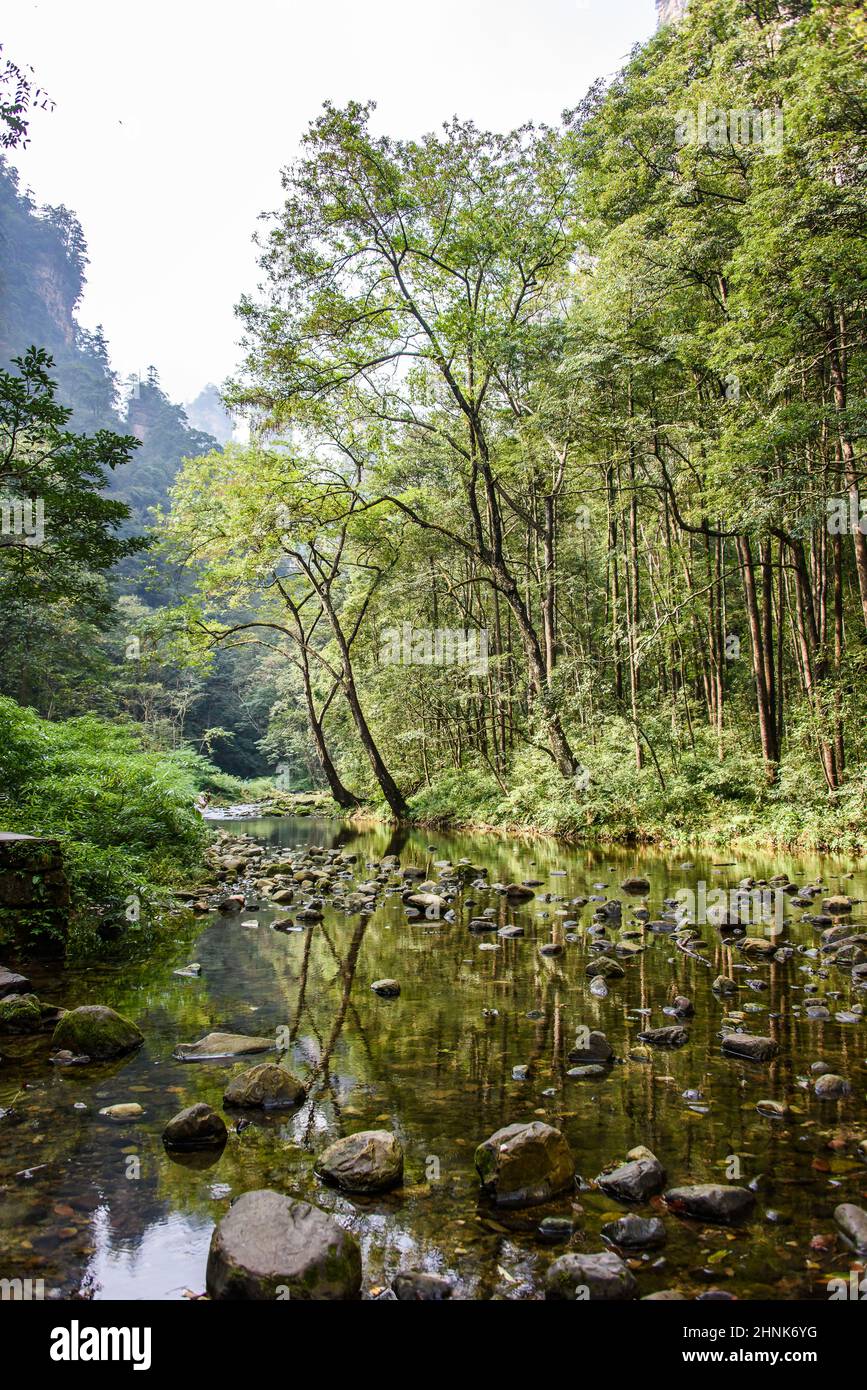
{"x":173,"y":119}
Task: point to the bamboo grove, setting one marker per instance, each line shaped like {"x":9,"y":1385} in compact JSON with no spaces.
{"x":590,"y":397}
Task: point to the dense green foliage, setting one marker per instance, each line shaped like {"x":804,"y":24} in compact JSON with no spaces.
{"x":123,"y":813}
{"x":592,"y":397}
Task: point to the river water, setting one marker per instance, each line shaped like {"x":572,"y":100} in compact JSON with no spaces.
{"x":98,"y":1209}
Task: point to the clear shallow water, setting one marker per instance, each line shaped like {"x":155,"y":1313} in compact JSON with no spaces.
{"x":106,"y":1213}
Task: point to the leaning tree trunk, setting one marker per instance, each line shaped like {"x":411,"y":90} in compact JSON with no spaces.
{"x":341,"y":794}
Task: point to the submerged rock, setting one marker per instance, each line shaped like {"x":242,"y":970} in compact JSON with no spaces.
{"x":672,"y":1036}
{"x":97,"y":1032}
{"x":126,"y":1110}
{"x":750,"y":1046}
{"x":636,"y":885}
{"x":772,"y":1109}
{"x":269,"y":1246}
{"x":838,"y":905}
{"x":386,"y":989}
{"x":591,"y":1047}
{"x":635,"y":1232}
{"x":196,"y":1127}
{"x":599,"y":1276}
{"x":554,"y":1230}
{"x":831,"y":1087}
{"x":709,"y":1201}
{"x":634,"y":1181}
{"x":519,"y":892}
{"x":266,"y":1086}
{"x":221,"y":1047}
{"x":606,"y":967}
{"x":417,"y":1286}
{"x":370,"y":1161}
{"x":523,"y":1165}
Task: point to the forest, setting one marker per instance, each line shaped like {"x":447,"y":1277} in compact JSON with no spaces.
{"x":592,"y":397}
{"x":479,"y":667}
{"x":549,"y":513}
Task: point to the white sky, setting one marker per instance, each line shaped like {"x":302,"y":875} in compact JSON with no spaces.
{"x":174,"y":117}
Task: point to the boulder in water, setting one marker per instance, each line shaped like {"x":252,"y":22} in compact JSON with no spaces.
{"x":523,"y":1165}
{"x":369,"y":1161}
{"x":269,"y":1246}
{"x":97,"y":1032}
{"x":266,"y":1086}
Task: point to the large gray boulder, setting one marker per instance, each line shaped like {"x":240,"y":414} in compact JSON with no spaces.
{"x":523,"y":1165}
{"x":97,"y":1032}
{"x":369,"y":1161}
{"x":271,"y":1246}
{"x":580,"y":1276}
{"x":266,"y":1086}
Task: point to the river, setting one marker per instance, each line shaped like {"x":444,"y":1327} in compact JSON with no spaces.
{"x":99,"y":1209}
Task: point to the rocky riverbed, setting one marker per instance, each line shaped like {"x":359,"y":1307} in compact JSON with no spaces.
{"x":429,"y":1066}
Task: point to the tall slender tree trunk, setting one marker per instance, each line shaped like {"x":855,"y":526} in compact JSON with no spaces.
{"x":770,"y":752}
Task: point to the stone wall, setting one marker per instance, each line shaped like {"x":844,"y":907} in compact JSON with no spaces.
{"x":34,"y":892}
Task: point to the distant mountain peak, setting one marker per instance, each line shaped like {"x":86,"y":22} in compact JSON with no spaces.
{"x":669,"y":11}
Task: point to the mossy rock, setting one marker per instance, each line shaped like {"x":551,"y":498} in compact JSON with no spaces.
{"x":267,"y":1086}
{"x":20,"y":1013}
{"x":96,"y":1031}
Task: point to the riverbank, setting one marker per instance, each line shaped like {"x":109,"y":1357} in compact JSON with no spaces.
{"x":688,"y":802}
{"x":700,"y":805}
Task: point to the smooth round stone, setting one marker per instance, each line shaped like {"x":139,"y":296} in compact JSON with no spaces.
{"x":128,"y":1110}
{"x":635,"y":1232}
{"x":386,"y":989}
{"x":554,"y":1230}
{"x":582,"y":1073}
{"x":831,"y":1087}
{"x":269,"y":1246}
